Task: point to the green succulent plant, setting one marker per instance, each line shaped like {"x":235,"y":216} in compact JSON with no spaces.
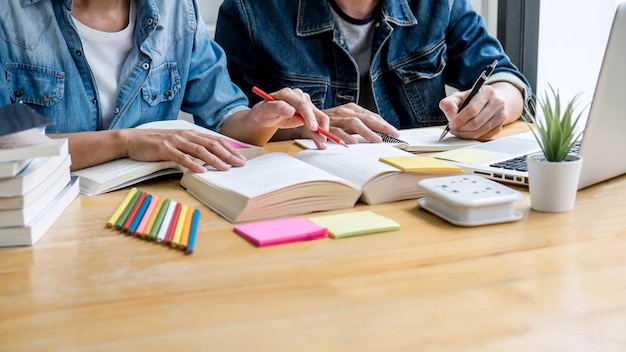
{"x":557,"y":129}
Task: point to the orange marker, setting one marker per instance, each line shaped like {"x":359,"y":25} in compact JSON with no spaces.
{"x":178,"y":231}
{"x":155,"y":213}
{"x":184,"y":239}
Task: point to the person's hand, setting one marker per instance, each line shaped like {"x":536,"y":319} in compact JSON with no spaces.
{"x":179,"y":145}
{"x":494,"y":106}
{"x":280,"y":113}
{"x":350,"y":118}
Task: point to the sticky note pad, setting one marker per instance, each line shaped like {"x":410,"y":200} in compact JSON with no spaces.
{"x":463,"y":155}
{"x":235,"y":144}
{"x":270,"y":232}
{"x":414,"y":163}
{"x":355,"y":224}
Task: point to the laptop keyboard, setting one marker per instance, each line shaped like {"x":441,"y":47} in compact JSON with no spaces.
{"x":519,"y":163}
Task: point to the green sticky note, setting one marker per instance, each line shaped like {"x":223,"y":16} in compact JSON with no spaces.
{"x":355,"y":224}
{"x":414,"y":163}
{"x":463,"y":155}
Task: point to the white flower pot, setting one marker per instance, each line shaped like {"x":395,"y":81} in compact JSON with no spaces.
{"x":553,"y":185}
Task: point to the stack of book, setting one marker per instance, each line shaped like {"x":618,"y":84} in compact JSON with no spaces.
{"x":35,"y":182}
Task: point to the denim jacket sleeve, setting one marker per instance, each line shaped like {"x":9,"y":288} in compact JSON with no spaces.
{"x":471,"y":49}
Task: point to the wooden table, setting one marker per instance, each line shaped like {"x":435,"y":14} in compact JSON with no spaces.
{"x":549,"y":282}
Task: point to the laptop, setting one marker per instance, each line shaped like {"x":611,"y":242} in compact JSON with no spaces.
{"x":604,"y":138}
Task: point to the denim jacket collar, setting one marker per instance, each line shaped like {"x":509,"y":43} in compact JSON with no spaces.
{"x":315,"y":18}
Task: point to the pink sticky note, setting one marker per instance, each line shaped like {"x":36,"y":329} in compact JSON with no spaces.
{"x":270,"y":232}
{"x":235,"y":144}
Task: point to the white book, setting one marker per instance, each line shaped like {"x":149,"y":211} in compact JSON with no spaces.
{"x":28,"y":235}
{"x":121,"y":173}
{"x":277,"y":184}
{"x":27,"y":144}
{"x":55,"y":180}
{"x":44,"y":194}
{"x":37,"y":171}
{"x":12,"y":168}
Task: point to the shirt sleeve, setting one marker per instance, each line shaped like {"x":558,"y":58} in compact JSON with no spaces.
{"x":211,"y":97}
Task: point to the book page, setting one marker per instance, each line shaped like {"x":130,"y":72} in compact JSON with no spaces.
{"x":268,"y":173}
{"x":359,"y":163}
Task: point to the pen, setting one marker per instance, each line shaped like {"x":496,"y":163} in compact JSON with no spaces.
{"x":320,"y":130}
{"x":475,"y":88}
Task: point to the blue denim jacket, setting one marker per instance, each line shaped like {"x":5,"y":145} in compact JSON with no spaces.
{"x":418,"y":47}
{"x":175,"y":66}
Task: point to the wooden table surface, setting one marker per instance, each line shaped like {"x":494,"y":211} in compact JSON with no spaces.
{"x":549,"y":282}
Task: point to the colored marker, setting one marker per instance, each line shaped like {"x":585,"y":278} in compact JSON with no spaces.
{"x":120,"y":222}
{"x":179,"y":226}
{"x":167,"y":219}
{"x":153,"y":216}
{"x":170,"y":231}
{"x":192,"y":233}
{"x":159,"y":219}
{"x":146,"y":216}
{"x":120,"y":208}
{"x":133,"y":213}
{"x":132,"y":229}
{"x":184,"y":239}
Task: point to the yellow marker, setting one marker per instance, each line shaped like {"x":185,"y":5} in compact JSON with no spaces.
{"x":153,"y":216}
{"x":186,"y":229}
{"x":178,"y":231}
{"x":116,"y":215}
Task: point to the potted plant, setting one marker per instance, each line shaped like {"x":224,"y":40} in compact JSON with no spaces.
{"x":553,"y":173}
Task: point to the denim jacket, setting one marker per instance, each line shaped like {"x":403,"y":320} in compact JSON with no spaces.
{"x":174,"y":66}
{"x":418,"y":47}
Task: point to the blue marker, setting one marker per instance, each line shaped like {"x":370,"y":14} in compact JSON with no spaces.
{"x":192,"y":233}
{"x":133,"y":225}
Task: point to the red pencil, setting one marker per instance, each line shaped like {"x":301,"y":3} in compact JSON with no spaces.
{"x":170,"y":230}
{"x":258,"y":91}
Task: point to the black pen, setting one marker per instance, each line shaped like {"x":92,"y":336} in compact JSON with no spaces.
{"x":475,"y":88}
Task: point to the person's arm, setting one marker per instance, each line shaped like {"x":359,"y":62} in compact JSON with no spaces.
{"x":470,"y":50}
{"x":97,"y":147}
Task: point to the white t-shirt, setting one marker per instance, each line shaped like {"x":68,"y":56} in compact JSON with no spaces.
{"x":105,"y":53}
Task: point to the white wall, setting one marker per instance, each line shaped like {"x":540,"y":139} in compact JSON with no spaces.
{"x":489,"y":10}
{"x":572,"y":39}
{"x":209,"y":10}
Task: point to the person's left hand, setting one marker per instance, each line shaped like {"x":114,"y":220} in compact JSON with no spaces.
{"x":494,"y":106}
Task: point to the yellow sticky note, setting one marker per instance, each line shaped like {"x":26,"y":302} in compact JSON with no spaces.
{"x":465,"y":155}
{"x":414,"y":163}
{"x":355,"y":223}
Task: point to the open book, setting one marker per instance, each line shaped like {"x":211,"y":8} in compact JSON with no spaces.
{"x":277,"y":184}
{"x":121,"y":173}
{"x":415,"y":140}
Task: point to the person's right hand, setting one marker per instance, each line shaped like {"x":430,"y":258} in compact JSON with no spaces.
{"x":179,"y":145}
{"x":350,"y":118}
